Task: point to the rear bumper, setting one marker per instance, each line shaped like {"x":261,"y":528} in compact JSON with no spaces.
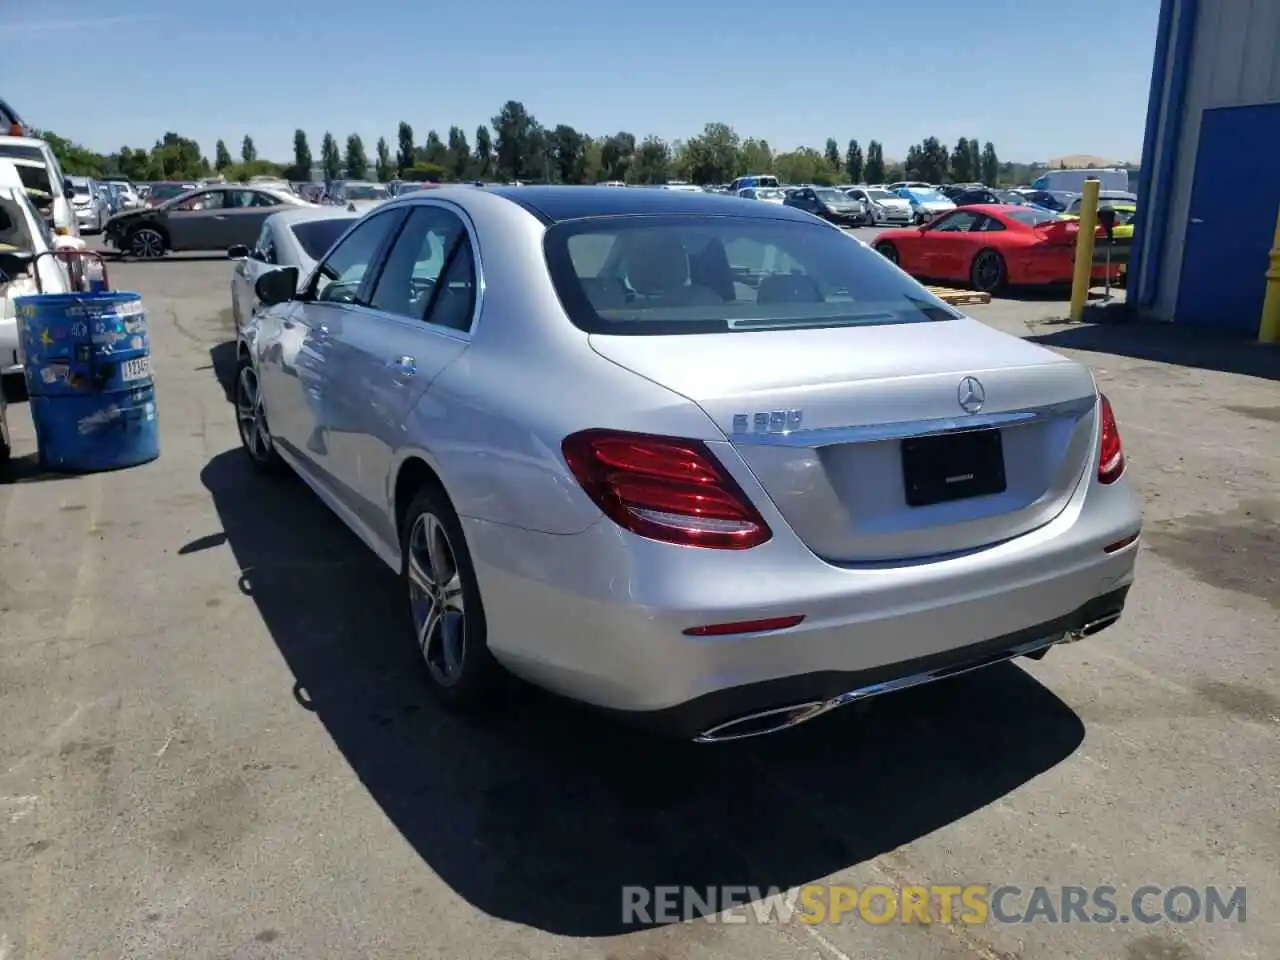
{"x":599,"y":616}
{"x":776,"y":704}
{"x":1058,"y":269}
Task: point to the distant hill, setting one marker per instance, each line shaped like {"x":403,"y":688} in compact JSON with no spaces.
{"x":1079,"y":161}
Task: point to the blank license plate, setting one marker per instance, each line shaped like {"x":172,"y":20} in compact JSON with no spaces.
{"x":953,"y":466}
{"x":136,"y":369}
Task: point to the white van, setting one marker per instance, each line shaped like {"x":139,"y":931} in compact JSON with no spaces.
{"x":43,"y":175}
{"x":24,"y":230}
{"x":1073,"y":180}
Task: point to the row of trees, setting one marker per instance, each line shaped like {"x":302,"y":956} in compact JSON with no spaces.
{"x":516,"y":146}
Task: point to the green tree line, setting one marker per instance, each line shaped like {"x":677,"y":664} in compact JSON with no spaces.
{"x":514,"y":145}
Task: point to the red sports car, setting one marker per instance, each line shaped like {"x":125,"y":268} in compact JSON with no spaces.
{"x":989,"y":246}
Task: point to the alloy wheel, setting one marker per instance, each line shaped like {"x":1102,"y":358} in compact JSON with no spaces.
{"x":888,"y":251}
{"x":436,"y":599}
{"x":146,"y":243}
{"x":251,"y":416}
{"x":988,"y":271}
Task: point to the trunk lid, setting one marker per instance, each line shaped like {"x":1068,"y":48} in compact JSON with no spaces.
{"x":822,"y":417}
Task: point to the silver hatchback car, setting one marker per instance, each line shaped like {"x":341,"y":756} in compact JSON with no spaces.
{"x":703,"y":462}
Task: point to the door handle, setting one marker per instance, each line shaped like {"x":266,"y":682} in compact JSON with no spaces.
{"x":404,"y":367}
{"x":288,"y":324}
{"x":1196,"y":220}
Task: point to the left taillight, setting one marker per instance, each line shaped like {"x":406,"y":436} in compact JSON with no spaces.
{"x":1110,"y":449}
{"x":664,"y":488}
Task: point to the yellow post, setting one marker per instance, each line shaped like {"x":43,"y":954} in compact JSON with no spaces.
{"x":1084,"y":248}
{"x":1269,"y":328}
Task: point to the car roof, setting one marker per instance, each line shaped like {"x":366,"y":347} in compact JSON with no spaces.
{"x":555,"y":204}
{"x":302,"y":214}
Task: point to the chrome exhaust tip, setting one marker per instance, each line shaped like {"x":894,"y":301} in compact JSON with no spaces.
{"x":1095,"y":626}
{"x":782,"y":718}
{"x":763,"y":723}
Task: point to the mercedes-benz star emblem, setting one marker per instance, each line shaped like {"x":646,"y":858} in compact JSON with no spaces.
{"x":971,"y":395}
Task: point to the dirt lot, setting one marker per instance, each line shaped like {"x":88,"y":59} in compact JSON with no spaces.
{"x":216,"y":742}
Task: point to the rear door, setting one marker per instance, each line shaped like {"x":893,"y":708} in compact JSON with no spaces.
{"x":244,"y":214}
{"x":417,"y":321}
{"x":198,"y":223}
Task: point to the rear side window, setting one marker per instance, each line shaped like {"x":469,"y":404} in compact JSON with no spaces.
{"x":35,"y":179}
{"x":14,"y":231}
{"x":693,"y":275}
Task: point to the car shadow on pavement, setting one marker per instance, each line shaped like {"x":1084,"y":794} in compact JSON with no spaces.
{"x":1165,"y":343}
{"x":543,"y":812}
{"x":222,"y":358}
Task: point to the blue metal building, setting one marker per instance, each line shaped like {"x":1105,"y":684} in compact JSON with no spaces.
{"x":1209,"y":191}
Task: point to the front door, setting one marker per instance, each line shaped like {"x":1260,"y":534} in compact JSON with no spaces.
{"x":418,"y":321}
{"x":262,"y":257}
{"x":299,"y":394}
{"x":945,"y":244}
{"x":1231,"y":220}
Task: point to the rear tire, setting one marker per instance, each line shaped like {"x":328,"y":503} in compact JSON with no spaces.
{"x":888,"y":251}
{"x":988,"y":273}
{"x":444,"y":605}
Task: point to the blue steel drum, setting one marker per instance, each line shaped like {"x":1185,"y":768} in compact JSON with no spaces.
{"x":87,"y":360}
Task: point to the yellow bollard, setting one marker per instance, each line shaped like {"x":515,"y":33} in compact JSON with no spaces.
{"x":1084,"y":248}
{"x":1269,"y":328}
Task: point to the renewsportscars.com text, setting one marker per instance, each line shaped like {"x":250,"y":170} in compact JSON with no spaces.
{"x":970,"y":904}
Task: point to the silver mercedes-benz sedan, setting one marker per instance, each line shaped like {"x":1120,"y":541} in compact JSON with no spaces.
{"x":703,"y":462}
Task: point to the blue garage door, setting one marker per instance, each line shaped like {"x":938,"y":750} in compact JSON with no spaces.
{"x":1234,"y":201}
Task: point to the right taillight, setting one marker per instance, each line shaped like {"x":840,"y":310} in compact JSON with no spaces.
{"x":664,"y":488}
{"x":1110,"y":449}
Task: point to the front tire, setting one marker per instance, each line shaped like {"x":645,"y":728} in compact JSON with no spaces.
{"x":444,"y":603}
{"x":888,"y":251}
{"x":251,"y":420}
{"x":145,"y":243}
{"x":988,"y":273}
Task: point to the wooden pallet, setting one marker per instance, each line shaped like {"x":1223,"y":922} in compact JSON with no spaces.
{"x":959,"y":297}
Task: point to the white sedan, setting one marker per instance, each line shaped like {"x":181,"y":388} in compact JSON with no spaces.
{"x":298,"y":237}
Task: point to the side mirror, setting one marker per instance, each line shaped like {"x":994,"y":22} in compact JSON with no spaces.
{"x":14,"y":264}
{"x":237,"y":251}
{"x":68,"y":189}
{"x":277,"y":286}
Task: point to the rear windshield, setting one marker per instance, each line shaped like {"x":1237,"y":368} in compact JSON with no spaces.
{"x":167,"y":191}
{"x":1031,"y":216}
{"x":688,"y":275}
{"x":365,"y":191}
{"x":317,"y":236}
{"x":21,"y":151}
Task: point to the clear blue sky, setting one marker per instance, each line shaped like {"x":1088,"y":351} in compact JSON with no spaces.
{"x":795,"y":73}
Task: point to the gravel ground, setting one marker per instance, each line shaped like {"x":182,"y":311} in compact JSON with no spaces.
{"x":216,"y":743}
